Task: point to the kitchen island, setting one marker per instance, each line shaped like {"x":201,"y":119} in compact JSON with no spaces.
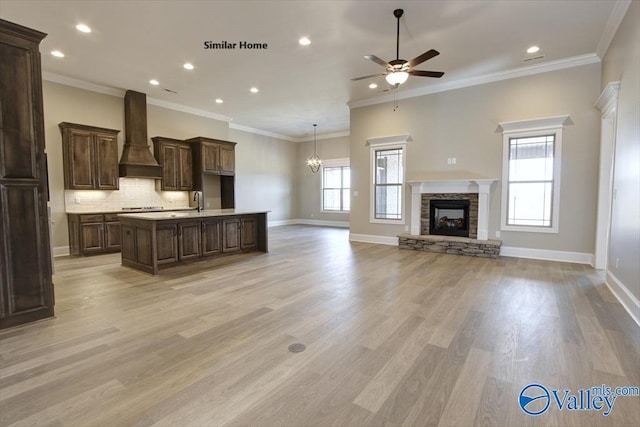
{"x":154,"y":240}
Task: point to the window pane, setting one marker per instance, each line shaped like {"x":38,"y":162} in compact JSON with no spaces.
{"x":530,"y":204}
{"x":331,"y":200}
{"x":346,"y":200}
{"x":346,"y":177}
{"x":389,"y":166}
{"x":388,"y":202}
{"x":531,"y":159}
{"x":331,"y":177}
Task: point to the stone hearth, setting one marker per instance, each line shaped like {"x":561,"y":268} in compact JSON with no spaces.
{"x":451,"y":245}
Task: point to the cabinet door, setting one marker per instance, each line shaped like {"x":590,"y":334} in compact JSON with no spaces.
{"x":211,"y":237}
{"x":92,"y":237}
{"x":231,"y":235}
{"x":227,"y":160}
{"x":188,"y":240}
{"x":167,"y":243}
{"x":169,"y":163}
{"x":112,"y":236}
{"x":185,"y":168}
{"x":210,"y":157}
{"x":129,"y":243}
{"x":248,"y":232}
{"x":80,"y":162}
{"x":106,"y":161}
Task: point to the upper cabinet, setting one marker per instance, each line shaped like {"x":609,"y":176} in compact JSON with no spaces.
{"x":176,"y":159}
{"x":213,"y":156}
{"x":90,"y":156}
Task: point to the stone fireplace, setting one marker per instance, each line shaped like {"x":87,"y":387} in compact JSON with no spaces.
{"x":451,"y":216}
{"x":431,"y":201}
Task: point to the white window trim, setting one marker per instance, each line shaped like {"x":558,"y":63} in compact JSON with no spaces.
{"x":331,"y":163}
{"x":386,"y":143}
{"x":530,"y":128}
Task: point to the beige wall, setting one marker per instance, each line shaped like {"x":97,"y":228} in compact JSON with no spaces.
{"x":263,"y":164}
{"x":309,"y":184}
{"x":265,"y":171}
{"x":622,"y":63}
{"x":462,"y":123}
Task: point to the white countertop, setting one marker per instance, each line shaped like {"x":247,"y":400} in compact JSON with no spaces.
{"x":156,"y":216}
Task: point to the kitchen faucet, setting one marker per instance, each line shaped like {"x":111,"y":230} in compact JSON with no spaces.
{"x":196,"y":198}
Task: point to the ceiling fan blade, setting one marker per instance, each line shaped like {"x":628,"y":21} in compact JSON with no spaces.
{"x":424,"y":57}
{"x":377,"y":60}
{"x":366,"y":77}
{"x":436,"y":74}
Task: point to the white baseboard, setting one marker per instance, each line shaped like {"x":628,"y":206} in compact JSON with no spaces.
{"x":60,"y":251}
{"x":319,"y":222}
{"x":626,"y":298}
{"x":547,"y":255}
{"x":368,"y":238}
{"x":280,"y":222}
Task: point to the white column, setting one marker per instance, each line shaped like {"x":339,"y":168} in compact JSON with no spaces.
{"x":416,"y":203}
{"x":484,"y":190}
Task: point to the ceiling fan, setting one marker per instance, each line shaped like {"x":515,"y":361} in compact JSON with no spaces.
{"x":398,"y":70}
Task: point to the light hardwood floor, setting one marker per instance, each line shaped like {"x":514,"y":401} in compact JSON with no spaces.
{"x":394,"y":337}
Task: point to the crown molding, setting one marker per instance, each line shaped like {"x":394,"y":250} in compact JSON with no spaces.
{"x":325,"y":136}
{"x":82,"y":84}
{"x":560,"y":64}
{"x":262,"y":132}
{"x":189,"y":110}
{"x":611,"y":27}
{"x":534,"y":124}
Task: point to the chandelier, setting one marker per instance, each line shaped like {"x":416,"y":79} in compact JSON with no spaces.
{"x":314,"y":161}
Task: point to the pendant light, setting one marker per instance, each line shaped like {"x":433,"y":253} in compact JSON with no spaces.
{"x":314,"y":161}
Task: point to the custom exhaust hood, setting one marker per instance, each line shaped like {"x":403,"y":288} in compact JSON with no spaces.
{"x":137,"y":161}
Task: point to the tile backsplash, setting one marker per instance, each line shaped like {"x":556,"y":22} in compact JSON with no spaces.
{"x":133,"y":193}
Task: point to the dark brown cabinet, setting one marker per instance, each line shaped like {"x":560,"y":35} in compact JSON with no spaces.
{"x":174,"y":239}
{"x":26,"y":288}
{"x":176,"y":159}
{"x":167,"y":242}
{"x":189,"y":240}
{"x":211,"y":237}
{"x":91,"y":234}
{"x":214,"y":157}
{"x":239,"y":233}
{"x":90,"y":157}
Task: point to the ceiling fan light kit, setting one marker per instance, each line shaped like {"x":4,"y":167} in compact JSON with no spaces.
{"x":398,"y":70}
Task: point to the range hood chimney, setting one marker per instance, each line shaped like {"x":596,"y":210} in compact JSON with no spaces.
{"x":137,"y":160}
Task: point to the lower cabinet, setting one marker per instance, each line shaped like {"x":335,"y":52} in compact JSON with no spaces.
{"x":93,"y":233}
{"x":149,"y":244}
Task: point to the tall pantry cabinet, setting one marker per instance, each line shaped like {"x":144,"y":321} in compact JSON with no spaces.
{"x":26,"y":288}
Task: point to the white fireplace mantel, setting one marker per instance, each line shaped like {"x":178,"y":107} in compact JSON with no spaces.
{"x":473,"y":185}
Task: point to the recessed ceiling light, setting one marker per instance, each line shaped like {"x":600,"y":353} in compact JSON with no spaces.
{"x":154,"y":82}
{"x":373,"y":86}
{"x":533,"y":49}
{"x":83,"y":28}
{"x":254,"y":90}
{"x":304,"y":41}
{"x":57,"y":54}
{"x":219,"y":101}
{"x":188,"y":66}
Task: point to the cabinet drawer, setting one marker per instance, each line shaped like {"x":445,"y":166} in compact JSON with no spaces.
{"x":111,"y":217}
{"x":91,"y":218}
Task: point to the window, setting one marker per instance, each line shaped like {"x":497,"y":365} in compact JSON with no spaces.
{"x":388,"y":179}
{"x":336,"y":184}
{"x":531,"y":175}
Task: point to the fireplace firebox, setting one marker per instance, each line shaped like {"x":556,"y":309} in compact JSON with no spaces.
{"x":449,"y":217}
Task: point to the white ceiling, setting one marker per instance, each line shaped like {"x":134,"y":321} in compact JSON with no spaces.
{"x":135,"y":41}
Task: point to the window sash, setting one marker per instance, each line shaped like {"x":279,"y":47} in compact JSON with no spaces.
{"x":388,"y":177}
{"x":335,"y":197}
{"x":530,"y":181}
